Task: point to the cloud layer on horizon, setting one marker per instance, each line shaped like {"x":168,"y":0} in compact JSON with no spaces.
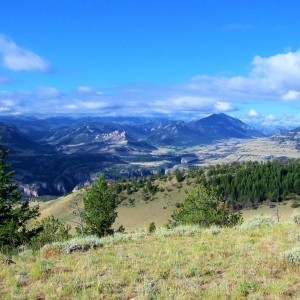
{"x":274,"y":79}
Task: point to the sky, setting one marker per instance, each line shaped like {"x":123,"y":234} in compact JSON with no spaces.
{"x":180,"y":59}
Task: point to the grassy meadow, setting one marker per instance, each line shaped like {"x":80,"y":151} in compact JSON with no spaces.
{"x":214,"y":263}
{"x":188,"y":262}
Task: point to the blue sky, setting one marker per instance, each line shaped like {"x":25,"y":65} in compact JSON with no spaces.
{"x":174,"y":58}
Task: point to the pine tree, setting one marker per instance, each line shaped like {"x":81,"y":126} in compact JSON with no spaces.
{"x":99,"y":208}
{"x":14,"y":213}
{"x":204,"y":208}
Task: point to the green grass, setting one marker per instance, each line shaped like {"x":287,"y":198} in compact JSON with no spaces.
{"x":233,"y":264}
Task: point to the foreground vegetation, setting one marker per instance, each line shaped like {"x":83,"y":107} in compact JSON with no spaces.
{"x":257,"y":259}
{"x":180,"y":263}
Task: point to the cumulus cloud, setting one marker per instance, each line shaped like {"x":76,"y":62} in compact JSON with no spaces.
{"x":223,"y":106}
{"x":252,"y":113}
{"x":280,"y":68}
{"x":16,"y":58}
{"x":270,"y":79}
{"x":291,"y":95}
{"x":274,"y":78}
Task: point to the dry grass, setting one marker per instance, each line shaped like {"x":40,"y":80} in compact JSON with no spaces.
{"x":132,"y":216}
{"x":283,"y":210}
{"x":140,"y":214}
{"x":233,"y":264}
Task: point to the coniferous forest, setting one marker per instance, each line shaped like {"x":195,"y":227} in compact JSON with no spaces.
{"x":251,"y":183}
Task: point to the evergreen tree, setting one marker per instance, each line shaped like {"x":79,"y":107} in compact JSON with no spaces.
{"x":205,"y":209}
{"x":99,"y":208}
{"x":14,"y":213}
{"x":179,"y":175}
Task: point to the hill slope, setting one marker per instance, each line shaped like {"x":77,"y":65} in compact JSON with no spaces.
{"x":182,"y":264}
{"x":137,"y":209}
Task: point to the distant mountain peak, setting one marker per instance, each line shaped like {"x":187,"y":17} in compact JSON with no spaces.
{"x":222,"y":126}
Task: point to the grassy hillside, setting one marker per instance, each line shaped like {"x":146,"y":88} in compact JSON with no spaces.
{"x":186,"y":263}
{"x":134,"y":213}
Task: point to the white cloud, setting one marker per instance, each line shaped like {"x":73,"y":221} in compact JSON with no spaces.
{"x":16,"y":58}
{"x":188,"y":105}
{"x":7,"y":103}
{"x":279,"y":69}
{"x":188,"y":102}
{"x":270,"y":79}
{"x":253,"y":113}
{"x":71,"y":106}
{"x":274,"y":78}
{"x":223,"y":106}
{"x":270,"y":117}
{"x":85,"y":89}
{"x":4,"y":109}
{"x":94,"y":105}
{"x":291,"y":95}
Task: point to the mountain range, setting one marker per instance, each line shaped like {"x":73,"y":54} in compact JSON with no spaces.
{"x":55,"y":155}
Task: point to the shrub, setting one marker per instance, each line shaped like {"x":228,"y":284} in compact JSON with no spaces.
{"x":179,"y":230}
{"x":295,"y":204}
{"x":179,"y":175}
{"x":296,"y":218}
{"x":121,"y":229}
{"x":292,"y":257}
{"x":52,"y":250}
{"x":214,"y":230}
{"x":151,"y":227}
{"x":138,"y":235}
{"x":248,"y":287}
{"x":26,"y":252}
{"x":91,"y":241}
{"x":115,"y":238}
{"x":257,"y":221}
{"x":86,"y":242}
{"x":52,"y":230}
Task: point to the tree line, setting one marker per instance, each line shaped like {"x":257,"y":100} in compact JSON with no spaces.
{"x":252,"y":183}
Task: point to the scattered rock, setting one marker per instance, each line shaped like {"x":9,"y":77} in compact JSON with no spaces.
{"x":80,"y":248}
{"x":150,"y":284}
{"x":8,"y":262}
{"x":22,"y":277}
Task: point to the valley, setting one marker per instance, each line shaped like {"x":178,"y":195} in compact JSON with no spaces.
{"x":58,"y":155}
